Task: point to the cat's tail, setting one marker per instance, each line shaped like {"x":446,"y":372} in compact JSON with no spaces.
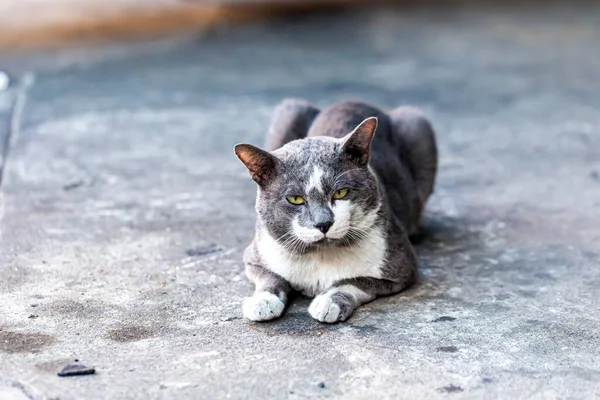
{"x":291,"y":120}
{"x":420,"y":149}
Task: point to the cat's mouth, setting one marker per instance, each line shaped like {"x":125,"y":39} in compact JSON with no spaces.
{"x":317,"y":244}
{"x":322,"y":243}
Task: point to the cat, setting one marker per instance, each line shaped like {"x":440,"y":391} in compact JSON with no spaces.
{"x":339,"y":192}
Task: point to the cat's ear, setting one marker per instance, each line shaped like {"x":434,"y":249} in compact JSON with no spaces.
{"x":357,"y":144}
{"x":261,"y":164}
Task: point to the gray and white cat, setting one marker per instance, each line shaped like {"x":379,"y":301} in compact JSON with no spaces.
{"x":339,"y":192}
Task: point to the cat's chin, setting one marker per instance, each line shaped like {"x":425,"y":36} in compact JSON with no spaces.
{"x":324,"y":244}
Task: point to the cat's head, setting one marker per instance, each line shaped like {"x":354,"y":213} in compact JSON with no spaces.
{"x":316,"y":192}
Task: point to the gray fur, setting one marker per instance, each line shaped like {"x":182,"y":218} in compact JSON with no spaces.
{"x":389,"y":175}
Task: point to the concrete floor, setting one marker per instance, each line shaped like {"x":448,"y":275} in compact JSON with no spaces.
{"x":125,"y":212}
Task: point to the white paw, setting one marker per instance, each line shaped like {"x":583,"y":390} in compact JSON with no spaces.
{"x":262,"y":306}
{"x":324,"y":309}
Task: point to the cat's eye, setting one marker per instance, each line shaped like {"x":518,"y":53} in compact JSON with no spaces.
{"x":297,"y":200}
{"x":340,"y":194}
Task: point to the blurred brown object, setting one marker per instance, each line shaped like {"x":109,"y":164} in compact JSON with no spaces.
{"x":40,"y":23}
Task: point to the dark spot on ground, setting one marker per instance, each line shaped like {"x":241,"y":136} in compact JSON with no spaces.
{"x":448,"y":349}
{"x":444,"y":318}
{"x":595,"y":175}
{"x":365,"y":328}
{"x":451,"y":389}
{"x":202,"y":251}
{"x":72,"y":185}
{"x":130,"y":333}
{"x":229,"y":319}
{"x":487,"y":380}
{"x":71,"y":308}
{"x":32,"y":316}
{"x":20,"y":342}
{"x":67,"y":307}
{"x":294,"y":324}
{"x":321,"y":385}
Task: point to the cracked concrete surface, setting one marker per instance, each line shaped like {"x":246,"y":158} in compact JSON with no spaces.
{"x":126,"y":213}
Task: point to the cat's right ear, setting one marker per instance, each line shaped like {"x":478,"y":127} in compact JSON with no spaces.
{"x":357,"y":144}
{"x":261,"y":164}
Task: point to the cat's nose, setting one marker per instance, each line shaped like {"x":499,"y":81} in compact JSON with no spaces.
{"x":323,"y":226}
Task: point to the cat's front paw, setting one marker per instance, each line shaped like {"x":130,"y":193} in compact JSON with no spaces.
{"x":263,"y":306}
{"x":325,"y":308}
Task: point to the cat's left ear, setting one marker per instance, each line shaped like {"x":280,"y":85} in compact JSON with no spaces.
{"x":261,"y":164}
{"x":357,"y":144}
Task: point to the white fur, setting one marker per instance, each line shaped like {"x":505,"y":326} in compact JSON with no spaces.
{"x":342,"y":211}
{"x":263,"y":306}
{"x":362,"y":221}
{"x":307,"y":235}
{"x":324,"y":309}
{"x":315,"y":181}
{"x":315,"y":272}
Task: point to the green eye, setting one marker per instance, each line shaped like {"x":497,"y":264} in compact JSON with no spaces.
{"x":340,"y":194}
{"x":297,"y":200}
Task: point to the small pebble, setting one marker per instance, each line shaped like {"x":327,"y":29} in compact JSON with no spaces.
{"x":321,"y":385}
{"x":228,"y":319}
{"x":76,"y":369}
{"x":74,"y":185}
{"x":202,"y":251}
{"x":444,"y":318}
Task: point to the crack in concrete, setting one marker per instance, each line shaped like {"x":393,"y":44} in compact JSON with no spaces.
{"x":18,"y":385}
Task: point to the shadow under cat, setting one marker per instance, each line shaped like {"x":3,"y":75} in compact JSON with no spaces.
{"x":439,"y":237}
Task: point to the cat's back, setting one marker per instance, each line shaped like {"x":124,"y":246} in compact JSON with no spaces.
{"x":341,"y":118}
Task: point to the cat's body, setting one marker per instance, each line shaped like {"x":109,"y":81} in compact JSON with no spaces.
{"x":336,"y":205}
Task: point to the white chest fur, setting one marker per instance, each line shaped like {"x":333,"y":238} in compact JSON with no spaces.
{"x":315,"y":272}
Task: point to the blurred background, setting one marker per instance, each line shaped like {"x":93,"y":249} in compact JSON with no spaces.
{"x":34,"y":23}
{"x":124,"y":212}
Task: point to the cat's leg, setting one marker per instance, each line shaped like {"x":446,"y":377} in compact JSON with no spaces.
{"x":270,"y":295}
{"x":291,"y":121}
{"x":419,"y":145}
{"x":400,"y":271}
{"x":339,"y":302}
